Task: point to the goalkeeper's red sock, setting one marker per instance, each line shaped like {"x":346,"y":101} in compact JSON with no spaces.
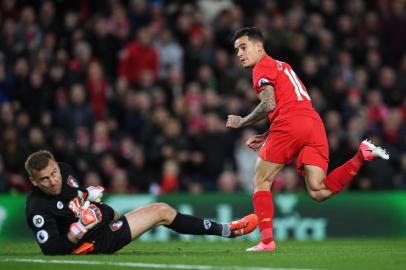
{"x":263,"y":208}
{"x":341,"y":176}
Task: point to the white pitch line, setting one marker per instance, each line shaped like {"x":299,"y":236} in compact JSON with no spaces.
{"x":149,"y":265}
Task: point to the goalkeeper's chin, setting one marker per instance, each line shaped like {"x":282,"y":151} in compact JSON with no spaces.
{"x":54,"y":191}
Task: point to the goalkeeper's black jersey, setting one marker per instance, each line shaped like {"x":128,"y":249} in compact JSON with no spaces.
{"x":51,"y":216}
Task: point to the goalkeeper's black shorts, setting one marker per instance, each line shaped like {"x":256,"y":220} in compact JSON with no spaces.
{"x":112,"y":236}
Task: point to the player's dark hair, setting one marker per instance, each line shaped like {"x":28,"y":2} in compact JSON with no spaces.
{"x":251,"y":32}
{"x":37,"y":161}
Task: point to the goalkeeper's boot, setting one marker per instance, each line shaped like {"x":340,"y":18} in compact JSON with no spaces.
{"x":370,"y":151}
{"x":243,"y":226}
{"x":271,"y":246}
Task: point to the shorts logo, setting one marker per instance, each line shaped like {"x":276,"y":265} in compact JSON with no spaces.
{"x":42,"y":236}
{"x":38,"y":221}
{"x":116,"y":225}
{"x":207,"y":224}
{"x":59,"y":205}
{"x":262,"y":82}
{"x":72,"y":182}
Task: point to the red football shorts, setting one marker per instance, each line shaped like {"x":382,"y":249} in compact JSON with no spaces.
{"x":300,"y":137}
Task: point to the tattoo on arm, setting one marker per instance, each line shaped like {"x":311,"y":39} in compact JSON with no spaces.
{"x":267,"y":104}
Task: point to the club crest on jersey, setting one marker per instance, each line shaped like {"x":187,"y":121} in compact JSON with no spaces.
{"x":42,"y":236}
{"x":72,"y":182}
{"x":38,"y":221}
{"x":262,"y":82}
{"x":116,"y":225}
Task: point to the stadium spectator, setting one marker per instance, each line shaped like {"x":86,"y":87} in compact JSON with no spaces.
{"x":245,"y":161}
{"x":5,"y":184}
{"x":119,"y":183}
{"x":47,"y":50}
{"x":137,"y":57}
{"x":98,"y":88}
{"x":227,"y":182}
{"x":92,"y":178}
{"x":138,"y":171}
{"x":107,"y":166}
{"x":170,"y":179}
{"x":76,"y":114}
{"x":401,"y":175}
{"x":216,"y":147}
{"x":170,"y":54}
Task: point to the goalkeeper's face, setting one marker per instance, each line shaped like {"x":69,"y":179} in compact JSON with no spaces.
{"x":49,"y":179}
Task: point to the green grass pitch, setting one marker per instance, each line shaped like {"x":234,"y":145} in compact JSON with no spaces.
{"x":230,"y":255}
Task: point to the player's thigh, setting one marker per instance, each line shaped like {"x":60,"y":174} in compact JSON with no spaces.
{"x":314,"y":177}
{"x":284,"y":141}
{"x":265,"y":172}
{"x":314,"y":151}
{"x":148,"y":217}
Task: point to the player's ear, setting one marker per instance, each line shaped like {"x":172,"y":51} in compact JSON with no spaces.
{"x":32,"y":181}
{"x":260,"y":46}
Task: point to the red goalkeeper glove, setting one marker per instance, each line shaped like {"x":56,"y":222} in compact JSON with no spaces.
{"x":89,"y":216}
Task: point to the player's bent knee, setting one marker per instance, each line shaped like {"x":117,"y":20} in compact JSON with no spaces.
{"x":315,"y":184}
{"x":165,"y":212}
{"x":317,"y":195}
{"x":314,"y":196}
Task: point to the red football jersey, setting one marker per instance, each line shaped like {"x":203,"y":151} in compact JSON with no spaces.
{"x":290,"y":94}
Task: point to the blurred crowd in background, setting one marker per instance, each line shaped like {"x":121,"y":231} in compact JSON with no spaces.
{"x":135,"y":94}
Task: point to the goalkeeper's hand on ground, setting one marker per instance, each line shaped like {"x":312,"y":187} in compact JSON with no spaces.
{"x":94,"y":194}
{"x":89,"y":216}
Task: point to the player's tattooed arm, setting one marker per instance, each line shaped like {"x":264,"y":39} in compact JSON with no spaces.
{"x":267,"y":105}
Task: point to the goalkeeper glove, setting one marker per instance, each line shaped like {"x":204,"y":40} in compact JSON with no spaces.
{"x":94,"y":194}
{"x":89,"y":216}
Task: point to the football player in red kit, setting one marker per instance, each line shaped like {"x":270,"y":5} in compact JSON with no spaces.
{"x":296,"y":131}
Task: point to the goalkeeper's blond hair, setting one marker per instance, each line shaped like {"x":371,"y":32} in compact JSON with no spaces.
{"x":37,"y":161}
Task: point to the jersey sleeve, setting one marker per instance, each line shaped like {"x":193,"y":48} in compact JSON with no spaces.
{"x":49,"y":238}
{"x":264,"y":75}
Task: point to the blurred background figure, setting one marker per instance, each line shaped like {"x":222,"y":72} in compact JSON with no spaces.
{"x":143,"y":88}
{"x":228,"y":182}
{"x":119,"y":183}
{"x":245,"y":159}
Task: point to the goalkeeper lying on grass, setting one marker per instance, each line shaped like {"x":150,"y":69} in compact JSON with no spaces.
{"x":67,"y":219}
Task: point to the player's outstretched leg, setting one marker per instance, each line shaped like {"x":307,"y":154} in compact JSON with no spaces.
{"x":243,"y":226}
{"x":186,"y":224}
{"x":148,"y":217}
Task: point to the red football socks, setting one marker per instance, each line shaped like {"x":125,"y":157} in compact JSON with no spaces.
{"x":341,"y":176}
{"x":264,"y":209}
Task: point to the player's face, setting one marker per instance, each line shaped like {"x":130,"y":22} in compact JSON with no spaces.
{"x":248,"y":52}
{"x":49,"y":180}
